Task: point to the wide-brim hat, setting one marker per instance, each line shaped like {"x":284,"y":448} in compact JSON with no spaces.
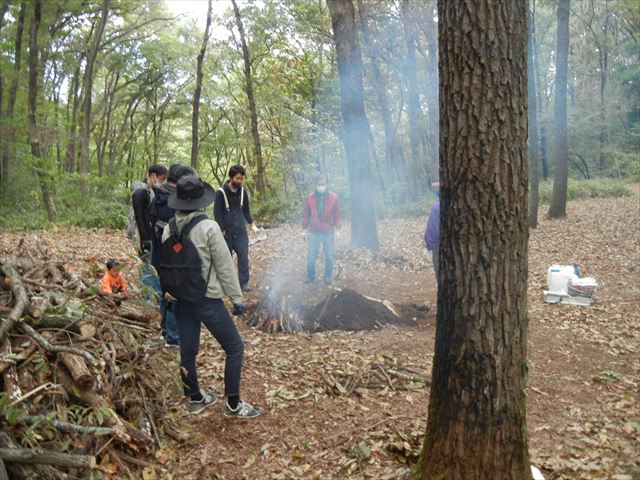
{"x":191,"y":193}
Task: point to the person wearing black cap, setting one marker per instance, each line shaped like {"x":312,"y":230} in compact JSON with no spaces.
{"x":191,"y":195}
{"x":159,"y":214}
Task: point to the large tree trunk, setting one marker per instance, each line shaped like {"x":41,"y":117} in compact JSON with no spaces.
{"x":395,"y":158}
{"x":540,"y":96}
{"x":260,"y":181}
{"x":195,"y":116}
{"x":355,"y":123}
{"x":533,"y":128}
{"x":558,"y":206}
{"x":476,"y":426}
{"x":421,"y":171}
{"x":603,"y":60}
{"x":87,"y":87}
{"x":8,"y":136}
{"x":72,"y":138}
{"x":431,"y":33}
{"x":37,"y":149}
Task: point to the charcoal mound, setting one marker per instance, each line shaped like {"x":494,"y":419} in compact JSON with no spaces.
{"x":346,"y":309}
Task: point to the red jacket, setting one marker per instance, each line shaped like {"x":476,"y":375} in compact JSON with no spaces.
{"x":330,"y":217}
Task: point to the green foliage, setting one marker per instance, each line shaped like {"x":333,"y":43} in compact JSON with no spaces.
{"x":277,"y":209}
{"x":12,"y":413}
{"x":95,"y":213}
{"x":593,"y":188}
{"x":144,"y":83}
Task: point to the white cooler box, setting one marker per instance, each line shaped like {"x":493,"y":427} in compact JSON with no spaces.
{"x":565,"y":286}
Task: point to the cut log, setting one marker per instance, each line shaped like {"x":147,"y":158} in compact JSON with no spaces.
{"x":31,"y":456}
{"x":87,"y":329}
{"x":78,"y":370}
{"x":144,"y":316}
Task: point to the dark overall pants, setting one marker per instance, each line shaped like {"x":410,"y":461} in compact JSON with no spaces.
{"x":239,"y":243}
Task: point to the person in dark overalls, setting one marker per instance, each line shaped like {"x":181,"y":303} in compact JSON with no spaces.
{"x":232,"y":213}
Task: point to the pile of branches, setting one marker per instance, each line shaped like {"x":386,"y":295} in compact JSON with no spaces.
{"x":277,"y":313}
{"x":82,"y":385}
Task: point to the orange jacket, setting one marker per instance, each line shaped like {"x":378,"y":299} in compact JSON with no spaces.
{"x":112,"y":283}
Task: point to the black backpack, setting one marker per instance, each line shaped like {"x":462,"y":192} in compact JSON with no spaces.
{"x":180,"y":265}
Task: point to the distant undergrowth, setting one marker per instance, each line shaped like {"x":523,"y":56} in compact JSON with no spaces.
{"x":593,"y":188}
{"x":94,"y":214}
{"x":98,"y":213}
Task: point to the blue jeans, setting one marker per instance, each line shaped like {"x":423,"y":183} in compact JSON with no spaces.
{"x":168,"y":323}
{"x":315,"y":240}
{"x":215,"y":316}
{"x":435,"y":257}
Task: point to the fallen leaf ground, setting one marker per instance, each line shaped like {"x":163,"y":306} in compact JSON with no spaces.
{"x":330,"y":412}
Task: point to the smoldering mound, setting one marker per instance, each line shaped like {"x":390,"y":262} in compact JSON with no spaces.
{"x":340,"y":309}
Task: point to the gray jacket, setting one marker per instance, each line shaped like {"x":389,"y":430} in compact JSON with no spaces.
{"x":214,"y":253}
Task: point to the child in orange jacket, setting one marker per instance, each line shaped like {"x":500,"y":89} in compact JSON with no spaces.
{"x":112,"y":281}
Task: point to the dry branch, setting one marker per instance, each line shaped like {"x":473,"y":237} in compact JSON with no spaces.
{"x":49,"y":347}
{"x":65,"y":427}
{"x":17,"y":287}
{"x":31,"y":456}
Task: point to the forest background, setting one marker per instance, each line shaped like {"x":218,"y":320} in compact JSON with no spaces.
{"x":116,"y":81}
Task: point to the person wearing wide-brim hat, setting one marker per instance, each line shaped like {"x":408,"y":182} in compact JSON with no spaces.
{"x":191,"y":195}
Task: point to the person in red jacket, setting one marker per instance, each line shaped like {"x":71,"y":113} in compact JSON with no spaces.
{"x":321,"y":217}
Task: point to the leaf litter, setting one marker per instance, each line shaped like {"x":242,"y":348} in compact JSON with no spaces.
{"x":353,"y":404}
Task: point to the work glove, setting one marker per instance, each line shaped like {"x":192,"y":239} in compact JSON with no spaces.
{"x":239,"y":309}
{"x":254,"y":228}
{"x":145,"y":249}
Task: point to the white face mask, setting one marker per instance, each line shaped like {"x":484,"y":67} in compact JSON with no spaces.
{"x":321,"y":189}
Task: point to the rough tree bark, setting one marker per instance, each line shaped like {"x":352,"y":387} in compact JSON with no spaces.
{"x":37,"y":149}
{"x":476,"y":426}
{"x":195,"y":116}
{"x":257,"y":146}
{"x":355,"y":124}
{"x":533,"y":127}
{"x":8,"y":136}
{"x":558,"y":205}
{"x":87,"y":87}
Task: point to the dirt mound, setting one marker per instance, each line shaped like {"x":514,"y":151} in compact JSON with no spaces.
{"x":348,"y":310}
